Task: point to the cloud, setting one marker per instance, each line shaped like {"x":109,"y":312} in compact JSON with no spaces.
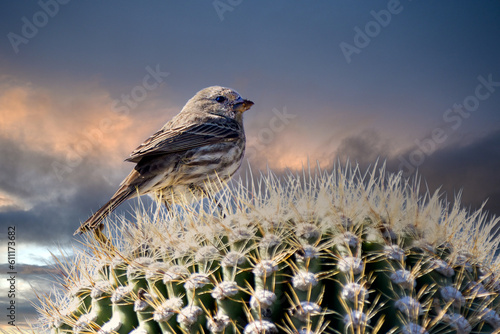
{"x":364,"y":148}
{"x":27,"y":279}
{"x":61,"y":155}
{"x":51,"y":208}
{"x":71,"y":123}
{"x":24,"y":270}
{"x":288,"y":142}
{"x":9,"y":203}
{"x":471,"y":164}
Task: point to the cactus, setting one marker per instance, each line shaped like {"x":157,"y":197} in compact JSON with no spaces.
{"x":334,"y":252}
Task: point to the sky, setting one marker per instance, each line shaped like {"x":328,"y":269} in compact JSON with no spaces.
{"x":413,"y":83}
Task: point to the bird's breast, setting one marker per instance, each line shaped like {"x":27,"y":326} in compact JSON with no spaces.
{"x":200,"y":171}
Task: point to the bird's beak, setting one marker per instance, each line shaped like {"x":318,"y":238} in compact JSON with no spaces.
{"x":243,"y":106}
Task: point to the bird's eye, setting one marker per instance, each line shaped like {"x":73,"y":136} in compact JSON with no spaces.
{"x":220,"y":99}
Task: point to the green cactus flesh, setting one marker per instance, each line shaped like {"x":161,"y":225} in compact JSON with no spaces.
{"x":337,"y":252}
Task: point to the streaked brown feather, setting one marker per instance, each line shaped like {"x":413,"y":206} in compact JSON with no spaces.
{"x":168,"y":141}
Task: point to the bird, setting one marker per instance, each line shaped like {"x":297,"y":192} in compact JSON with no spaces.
{"x":189,"y":156}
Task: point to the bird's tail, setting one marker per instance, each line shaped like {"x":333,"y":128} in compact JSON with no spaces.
{"x":95,"y":220}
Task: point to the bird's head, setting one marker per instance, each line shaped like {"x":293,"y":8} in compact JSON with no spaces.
{"x":218,"y":100}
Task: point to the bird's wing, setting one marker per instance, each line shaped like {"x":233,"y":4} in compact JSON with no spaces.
{"x":183,"y":138}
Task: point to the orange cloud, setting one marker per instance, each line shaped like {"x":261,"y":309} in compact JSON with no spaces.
{"x":71,"y":124}
{"x":289,"y":144}
{"x":8,"y":202}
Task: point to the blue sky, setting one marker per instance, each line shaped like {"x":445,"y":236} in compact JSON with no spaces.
{"x":85,"y":64}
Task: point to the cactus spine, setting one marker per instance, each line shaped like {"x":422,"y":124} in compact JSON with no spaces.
{"x":337,"y":252}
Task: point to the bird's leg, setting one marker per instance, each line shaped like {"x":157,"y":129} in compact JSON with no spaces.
{"x":102,"y":239}
{"x":167,"y":205}
{"x":160,"y":197}
{"x":221,"y":209}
